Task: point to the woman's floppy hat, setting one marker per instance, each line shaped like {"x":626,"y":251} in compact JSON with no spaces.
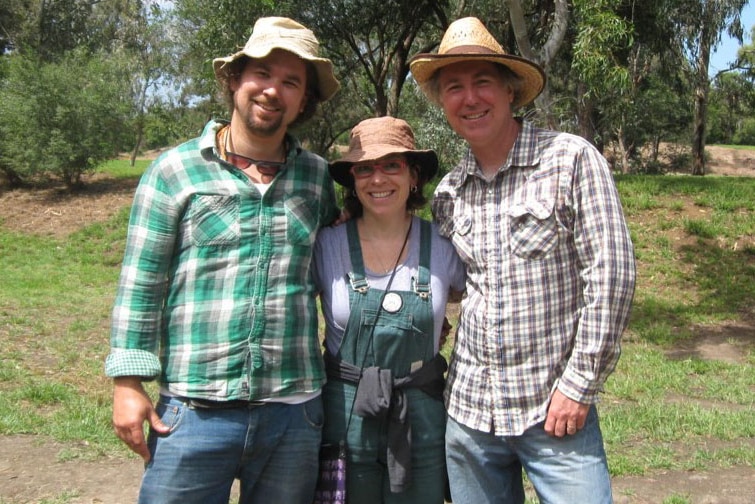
{"x":377,"y":138}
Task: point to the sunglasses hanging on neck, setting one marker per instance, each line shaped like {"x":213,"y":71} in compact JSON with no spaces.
{"x":267,"y":168}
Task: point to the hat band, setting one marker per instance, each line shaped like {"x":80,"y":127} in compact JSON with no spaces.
{"x":471,"y":49}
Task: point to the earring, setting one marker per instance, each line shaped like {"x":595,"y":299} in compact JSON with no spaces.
{"x":413,"y":188}
{"x":354,"y":192}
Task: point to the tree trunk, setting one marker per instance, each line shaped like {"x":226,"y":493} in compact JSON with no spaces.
{"x":702,"y":87}
{"x":585,"y":109}
{"x":655,"y":148}
{"x":138,"y":144}
{"x":400,"y":71}
{"x":623,"y":157}
{"x":548,"y":51}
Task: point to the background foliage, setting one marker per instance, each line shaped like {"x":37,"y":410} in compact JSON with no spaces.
{"x":81,"y":80}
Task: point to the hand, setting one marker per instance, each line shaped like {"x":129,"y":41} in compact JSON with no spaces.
{"x":131,"y":408}
{"x":342,"y":218}
{"x":444,"y":332}
{"x":565,"y":416}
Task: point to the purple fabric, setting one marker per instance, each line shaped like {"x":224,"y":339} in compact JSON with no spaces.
{"x":331,"y":484}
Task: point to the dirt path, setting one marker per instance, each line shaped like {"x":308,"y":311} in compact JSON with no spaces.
{"x":29,"y":473}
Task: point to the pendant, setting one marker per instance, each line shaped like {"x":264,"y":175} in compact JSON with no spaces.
{"x":392,"y":302}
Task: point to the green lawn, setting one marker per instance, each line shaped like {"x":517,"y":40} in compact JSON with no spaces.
{"x":667,"y":407}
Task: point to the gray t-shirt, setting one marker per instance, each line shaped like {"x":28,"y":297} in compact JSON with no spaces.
{"x":332,"y":265}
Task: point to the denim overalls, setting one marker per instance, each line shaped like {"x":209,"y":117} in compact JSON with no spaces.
{"x":401,"y":341}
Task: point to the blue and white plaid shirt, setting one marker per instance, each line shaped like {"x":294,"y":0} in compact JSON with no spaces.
{"x":550,"y":279}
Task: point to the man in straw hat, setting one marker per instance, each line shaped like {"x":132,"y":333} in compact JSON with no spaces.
{"x":536,"y":217}
{"x":215,"y":298}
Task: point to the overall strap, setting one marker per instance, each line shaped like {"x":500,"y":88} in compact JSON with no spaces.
{"x":357,"y":276}
{"x":421,"y":284}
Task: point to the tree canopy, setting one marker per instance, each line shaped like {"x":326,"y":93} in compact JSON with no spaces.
{"x":137,"y":73}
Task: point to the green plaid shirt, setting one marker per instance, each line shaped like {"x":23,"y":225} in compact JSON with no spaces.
{"x":215,"y":294}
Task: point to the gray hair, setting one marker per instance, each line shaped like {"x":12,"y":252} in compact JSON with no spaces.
{"x":509,"y":77}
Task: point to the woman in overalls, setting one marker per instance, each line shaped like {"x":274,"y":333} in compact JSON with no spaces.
{"x":385,"y":276}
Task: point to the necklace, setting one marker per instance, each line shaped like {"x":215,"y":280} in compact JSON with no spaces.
{"x":376,"y":251}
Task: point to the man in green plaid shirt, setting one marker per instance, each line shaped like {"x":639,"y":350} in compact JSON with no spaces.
{"x":215,"y":298}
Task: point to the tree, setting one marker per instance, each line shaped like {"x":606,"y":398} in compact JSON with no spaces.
{"x":152,"y":64}
{"x":373,"y":40}
{"x":13,"y":24}
{"x":62,"y":119}
{"x":732,"y":97}
{"x":49,"y":29}
{"x":554,"y":23}
{"x":746,"y":57}
{"x":702,"y":23}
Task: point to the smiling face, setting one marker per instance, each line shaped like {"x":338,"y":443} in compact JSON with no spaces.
{"x":383,"y":186}
{"x":476,"y":100}
{"x":270,"y":93}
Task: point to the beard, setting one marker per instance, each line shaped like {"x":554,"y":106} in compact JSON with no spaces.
{"x":258,"y":126}
{"x":263,"y":128}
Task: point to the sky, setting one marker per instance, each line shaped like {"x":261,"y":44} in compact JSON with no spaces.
{"x":727,"y":49}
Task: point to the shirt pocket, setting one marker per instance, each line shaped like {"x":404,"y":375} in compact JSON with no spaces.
{"x":214,"y":219}
{"x":533,"y":228}
{"x":462,"y":237}
{"x":302,"y":220}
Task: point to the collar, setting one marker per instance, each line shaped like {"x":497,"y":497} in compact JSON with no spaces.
{"x":209,"y":147}
{"x":524,"y":152}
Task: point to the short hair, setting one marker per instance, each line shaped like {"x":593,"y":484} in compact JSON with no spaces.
{"x":312,"y":94}
{"x":415,"y":201}
{"x":508,"y":76}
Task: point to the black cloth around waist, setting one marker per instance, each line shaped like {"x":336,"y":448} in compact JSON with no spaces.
{"x":379,"y":395}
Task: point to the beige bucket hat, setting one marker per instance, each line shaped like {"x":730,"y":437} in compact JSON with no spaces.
{"x":376,"y":138}
{"x":467,"y":39}
{"x":283,"y":33}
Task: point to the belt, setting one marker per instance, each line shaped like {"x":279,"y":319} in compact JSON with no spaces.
{"x":232,"y":404}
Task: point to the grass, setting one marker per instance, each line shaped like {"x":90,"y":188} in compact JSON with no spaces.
{"x":662,"y":409}
{"x":123,"y":169}
{"x":685,"y":413}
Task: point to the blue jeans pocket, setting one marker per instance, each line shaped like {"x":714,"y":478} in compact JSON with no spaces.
{"x":170,"y":412}
{"x":313,"y":413}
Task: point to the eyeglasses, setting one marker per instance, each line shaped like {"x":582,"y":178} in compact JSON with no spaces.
{"x":269,"y":168}
{"x":387,"y":167}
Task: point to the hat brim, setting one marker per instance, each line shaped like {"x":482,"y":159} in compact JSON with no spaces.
{"x":326,"y":80}
{"x":424,"y":66}
{"x":427,"y":161}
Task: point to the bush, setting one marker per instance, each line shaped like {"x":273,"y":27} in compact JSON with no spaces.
{"x":61,"y":119}
{"x":745,"y":134}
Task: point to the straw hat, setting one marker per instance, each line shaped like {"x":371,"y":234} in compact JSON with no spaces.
{"x":379,"y":137}
{"x":467,"y":39}
{"x":283,"y":33}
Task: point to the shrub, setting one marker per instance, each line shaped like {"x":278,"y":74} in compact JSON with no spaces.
{"x":745,"y":134}
{"x":61,"y":119}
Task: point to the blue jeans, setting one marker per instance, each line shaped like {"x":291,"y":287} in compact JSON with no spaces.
{"x":272,"y":449}
{"x":568,"y":470}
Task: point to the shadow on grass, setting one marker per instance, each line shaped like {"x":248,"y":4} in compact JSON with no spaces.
{"x":724,"y":290}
